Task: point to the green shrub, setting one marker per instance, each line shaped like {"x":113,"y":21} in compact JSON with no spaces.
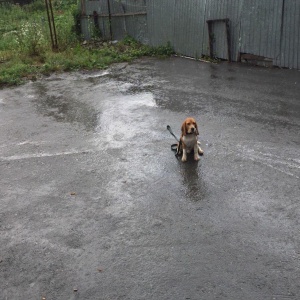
{"x":31,"y":38}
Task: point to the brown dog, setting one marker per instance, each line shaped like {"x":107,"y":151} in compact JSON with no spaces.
{"x":189,"y":140}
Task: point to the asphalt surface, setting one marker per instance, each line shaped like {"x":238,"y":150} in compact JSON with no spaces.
{"x":94,"y":204}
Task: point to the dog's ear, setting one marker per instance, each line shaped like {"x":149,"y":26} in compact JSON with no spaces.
{"x":183,"y":129}
{"x":197,"y":131}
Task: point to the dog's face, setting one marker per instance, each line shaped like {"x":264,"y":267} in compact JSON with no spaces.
{"x":189,"y":126}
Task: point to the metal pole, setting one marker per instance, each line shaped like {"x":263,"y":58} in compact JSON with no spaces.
{"x":109,"y":19}
{"x":51,"y":24}
{"x":50,"y":27}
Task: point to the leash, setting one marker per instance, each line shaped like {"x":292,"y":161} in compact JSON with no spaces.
{"x":170,"y":130}
{"x":175,"y":147}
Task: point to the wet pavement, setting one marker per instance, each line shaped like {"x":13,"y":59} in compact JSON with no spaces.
{"x":94,"y":204}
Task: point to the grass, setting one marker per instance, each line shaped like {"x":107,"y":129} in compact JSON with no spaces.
{"x":25,"y":48}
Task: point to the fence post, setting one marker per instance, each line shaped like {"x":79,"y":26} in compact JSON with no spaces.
{"x":109,"y":19}
{"x":51,"y":24}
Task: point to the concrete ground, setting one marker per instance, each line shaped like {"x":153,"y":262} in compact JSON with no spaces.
{"x":94,"y":204}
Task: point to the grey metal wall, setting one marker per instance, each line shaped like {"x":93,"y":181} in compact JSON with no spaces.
{"x":261,"y":27}
{"x":160,"y":20}
{"x":289,"y":55}
{"x":267,"y":28}
{"x":134,"y":25}
{"x":128,"y":18}
{"x":221,"y":9}
{"x":87,"y":25}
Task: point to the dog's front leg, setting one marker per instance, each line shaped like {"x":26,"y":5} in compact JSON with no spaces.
{"x":200,"y":151}
{"x":196,"y":155}
{"x":199,"y":148}
{"x":184,"y":158}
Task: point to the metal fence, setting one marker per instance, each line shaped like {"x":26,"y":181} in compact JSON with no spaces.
{"x":114,"y":19}
{"x":264,"y":30}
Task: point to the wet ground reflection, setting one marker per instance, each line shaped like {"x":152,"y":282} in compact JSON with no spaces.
{"x":64,"y":107}
{"x":194,"y":186}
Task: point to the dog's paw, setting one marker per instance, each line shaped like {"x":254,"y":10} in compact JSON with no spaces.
{"x":183,"y":159}
{"x":196,"y":157}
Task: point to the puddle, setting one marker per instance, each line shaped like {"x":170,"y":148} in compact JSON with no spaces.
{"x":64,"y":107}
{"x":194,"y":186}
{"x":125,"y":120}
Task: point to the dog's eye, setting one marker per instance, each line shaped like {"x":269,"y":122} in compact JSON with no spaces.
{"x":188,"y":124}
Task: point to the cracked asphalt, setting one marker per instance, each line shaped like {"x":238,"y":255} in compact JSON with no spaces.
{"x":94,"y":204}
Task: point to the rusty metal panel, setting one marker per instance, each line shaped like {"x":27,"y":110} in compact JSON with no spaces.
{"x":290,"y":36}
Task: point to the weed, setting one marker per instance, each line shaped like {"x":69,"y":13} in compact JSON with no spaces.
{"x":30,"y":38}
{"x":209,"y":59}
{"x":166,"y":50}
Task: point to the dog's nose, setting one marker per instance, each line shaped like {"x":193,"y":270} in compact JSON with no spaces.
{"x":192,"y":129}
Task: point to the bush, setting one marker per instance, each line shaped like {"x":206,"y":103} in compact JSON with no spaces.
{"x":31,"y":38}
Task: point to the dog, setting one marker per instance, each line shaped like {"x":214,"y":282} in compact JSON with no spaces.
{"x":188,"y":139}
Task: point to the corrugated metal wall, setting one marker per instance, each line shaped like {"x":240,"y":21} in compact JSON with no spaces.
{"x":87,"y":25}
{"x":134,"y":25}
{"x":266,"y":28}
{"x":260,"y":28}
{"x":221,"y":9}
{"x":188,"y":34}
{"x":128,"y":18}
{"x":289,"y":55}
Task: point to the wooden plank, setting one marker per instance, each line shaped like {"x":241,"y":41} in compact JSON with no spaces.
{"x":118,"y":15}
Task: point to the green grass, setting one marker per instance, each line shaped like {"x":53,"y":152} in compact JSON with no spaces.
{"x":25,"y":48}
